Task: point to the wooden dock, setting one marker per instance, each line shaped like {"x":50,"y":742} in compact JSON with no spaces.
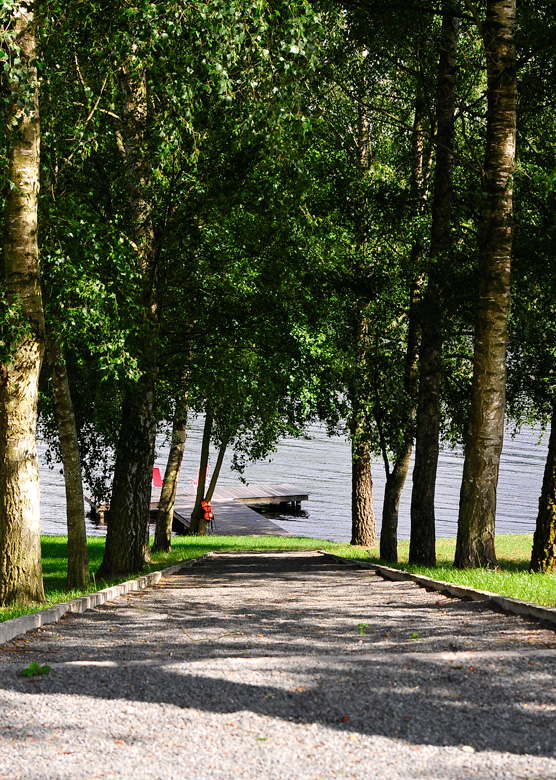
{"x":260,"y":495}
{"x":232,"y":515}
{"x":231,"y":506}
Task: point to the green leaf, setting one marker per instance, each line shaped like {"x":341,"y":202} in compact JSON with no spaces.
{"x":34,"y":669}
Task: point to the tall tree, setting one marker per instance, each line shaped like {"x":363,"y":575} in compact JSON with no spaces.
{"x":20,"y":554}
{"x":212,"y":51}
{"x":397,"y":474}
{"x":476,"y":524}
{"x":422,"y":544}
{"x":127,"y":538}
{"x":532,"y":335}
{"x":366,"y":100}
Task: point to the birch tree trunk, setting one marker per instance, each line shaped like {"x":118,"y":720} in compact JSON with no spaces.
{"x":423,"y":533}
{"x":20,"y":544}
{"x":543,"y":556}
{"x":78,"y":555}
{"x":475,"y":542}
{"x":395,"y":479}
{"x":198,"y":522}
{"x":216,"y":471}
{"x":127,"y":538}
{"x":165,"y":514}
{"x":363,"y":526}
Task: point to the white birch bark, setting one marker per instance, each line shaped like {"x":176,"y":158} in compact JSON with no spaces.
{"x":20,"y":552}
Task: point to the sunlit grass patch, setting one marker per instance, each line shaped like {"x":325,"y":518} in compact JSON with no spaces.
{"x":512,"y":579}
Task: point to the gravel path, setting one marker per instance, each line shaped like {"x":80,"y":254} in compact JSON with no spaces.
{"x":252,"y":665}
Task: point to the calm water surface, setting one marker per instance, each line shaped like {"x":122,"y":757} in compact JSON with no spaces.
{"x":321,"y":467}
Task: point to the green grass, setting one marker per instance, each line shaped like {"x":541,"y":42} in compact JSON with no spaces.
{"x":512,"y":579}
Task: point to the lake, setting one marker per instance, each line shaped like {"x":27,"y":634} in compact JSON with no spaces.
{"x":320,"y":466}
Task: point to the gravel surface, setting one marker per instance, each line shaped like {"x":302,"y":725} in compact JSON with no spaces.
{"x":281,"y":665}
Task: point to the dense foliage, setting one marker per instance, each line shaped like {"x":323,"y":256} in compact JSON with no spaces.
{"x":239,"y":214}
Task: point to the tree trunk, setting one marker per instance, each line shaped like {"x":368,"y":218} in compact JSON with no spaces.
{"x":543,"y":556}
{"x":78,"y":555}
{"x":475,"y":542}
{"x":198,"y":522}
{"x":165,"y":514}
{"x":216,"y":471}
{"x":422,"y":547}
{"x":20,"y":543}
{"x":363,"y":527}
{"x":127,"y":538}
{"x":395,"y":480}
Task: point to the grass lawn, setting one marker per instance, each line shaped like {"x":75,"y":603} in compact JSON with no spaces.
{"x":512,"y":579}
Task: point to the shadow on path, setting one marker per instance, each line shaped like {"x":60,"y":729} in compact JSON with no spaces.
{"x":296,"y":638}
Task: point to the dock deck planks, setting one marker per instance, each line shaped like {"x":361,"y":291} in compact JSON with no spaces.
{"x":232,"y":515}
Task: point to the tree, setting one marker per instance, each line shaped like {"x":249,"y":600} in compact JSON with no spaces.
{"x":212,"y":50}
{"x":422,"y":544}
{"x":371,"y":127}
{"x":20,"y":555}
{"x":531,"y":388}
{"x":165,"y":513}
{"x":78,"y":555}
{"x":475,"y":541}
{"x":85,"y":341}
{"x":127,"y":538}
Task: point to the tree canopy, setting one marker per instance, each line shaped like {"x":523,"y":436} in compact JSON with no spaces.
{"x":274,"y":212}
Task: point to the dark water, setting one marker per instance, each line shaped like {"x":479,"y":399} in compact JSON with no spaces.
{"x":321,"y":466}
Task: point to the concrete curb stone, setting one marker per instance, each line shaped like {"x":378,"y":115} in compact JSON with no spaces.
{"x":525,"y":608}
{"x":10,"y":629}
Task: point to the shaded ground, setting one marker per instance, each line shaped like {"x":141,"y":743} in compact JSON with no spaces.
{"x":282,"y":665}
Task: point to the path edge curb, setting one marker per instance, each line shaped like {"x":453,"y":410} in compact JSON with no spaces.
{"x":10,"y":629}
{"x":507,"y":604}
